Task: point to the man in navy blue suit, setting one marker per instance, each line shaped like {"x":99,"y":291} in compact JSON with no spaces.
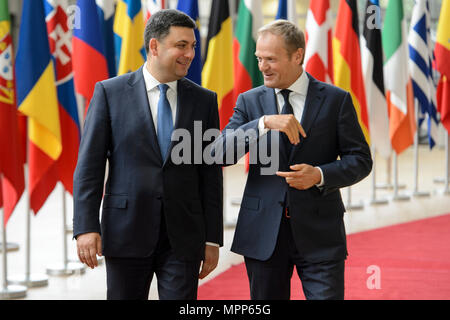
{"x":293,"y":216}
{"x":159,"y":216}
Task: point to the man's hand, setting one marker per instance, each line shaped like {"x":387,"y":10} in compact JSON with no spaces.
{"x":302,"y":177}
{"x":286,"y":123}
{"x":88,"y":246}
{"x":210,"y":262}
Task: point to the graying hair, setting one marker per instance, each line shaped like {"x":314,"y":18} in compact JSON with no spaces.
{"x":292,"y":35}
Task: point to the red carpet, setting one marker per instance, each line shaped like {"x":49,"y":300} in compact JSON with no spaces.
{"x":411,"y":259}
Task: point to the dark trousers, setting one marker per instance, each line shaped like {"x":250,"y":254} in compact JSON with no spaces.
{"x":271,"y":279}
{"x":130,"y":278}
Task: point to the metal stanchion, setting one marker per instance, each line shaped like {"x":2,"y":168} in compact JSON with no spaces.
{"x":396,"y":196}
{"x":388,"y":185}
{"x":65,"y":268}
{"x":374,"y":200}
{"x":446,"y":189}
{"x":8,"y":291}
{"x":10,"y":246}
{"x":416,"y":192}
{"x":28,"y":279}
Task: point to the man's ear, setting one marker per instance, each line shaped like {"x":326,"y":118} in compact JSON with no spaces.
{"x":153,"y":47}
{"x":300,"y":56}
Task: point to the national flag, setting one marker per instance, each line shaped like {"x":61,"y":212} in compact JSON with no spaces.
{"x":421,"y":68}
{"x":60,"y":41}
{"x":442,"y":55}
{"x":217,"y":73}
{"x":246,"y":71}
{"x":129,"y":36}
{"x":152,"y":6}
{"x":372,"y":65}
{"x":287,"y":11}
{"x":12,"y":183}
{"x":105,"y":10}
{"x":347,"y":60}
{"x":319,"y":52}
{"x":35,"y":75}
{"x":190,"y":7}
{"x":399,"y":94}
{"x":89,"y":61}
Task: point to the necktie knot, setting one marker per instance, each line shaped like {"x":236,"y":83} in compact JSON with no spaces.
{"x":163,"y":88}
{"x":285,"y":93}
{"x":287,"y":108}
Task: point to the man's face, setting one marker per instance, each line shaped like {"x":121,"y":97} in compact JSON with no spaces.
{"x":279,"y":68}
{"x":173,"y":54}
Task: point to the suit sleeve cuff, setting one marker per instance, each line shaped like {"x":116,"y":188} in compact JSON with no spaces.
{"x":322,"y":182}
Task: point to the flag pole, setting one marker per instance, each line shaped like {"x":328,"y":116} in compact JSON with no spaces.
{"x":416,"y":192}
{"x":446,"y":189}
{"x":396,"y":196}
{"x":8,"y":291}
{"x":28,"y":279}
{"x":65,"y":268}
{"x":349,"y":205}
{"x":374,"y":200}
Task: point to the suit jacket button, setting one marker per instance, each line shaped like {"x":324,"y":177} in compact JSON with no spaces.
{"x":159,"y":197}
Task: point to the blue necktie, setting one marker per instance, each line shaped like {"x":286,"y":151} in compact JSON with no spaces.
{"x":165,"y":122}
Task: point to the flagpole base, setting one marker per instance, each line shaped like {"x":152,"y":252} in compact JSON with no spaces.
{"x":355,"y":206}
{"x":400,"y":197}
{"x":9,"y":247}
{"x":13,"y":292}
{"x":420,"y":194}
{"x":439,"y":180}
{"x":375,"y":202}
{"x":444,"y":192}
{"x":30,"y":281}
{"x":61,"y":269}
{"x":389,"y":186}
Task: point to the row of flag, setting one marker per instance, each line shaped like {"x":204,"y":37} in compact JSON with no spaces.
{"x":56,"y":68}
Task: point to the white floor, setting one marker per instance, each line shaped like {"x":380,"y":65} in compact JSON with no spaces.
{"x":47,"y":227}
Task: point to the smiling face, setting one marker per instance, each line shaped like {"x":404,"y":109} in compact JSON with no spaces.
{"x":169,"y":59}
{"x":279,"y":67}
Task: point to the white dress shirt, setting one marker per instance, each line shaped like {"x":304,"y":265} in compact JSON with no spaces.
{"x":297,"y":100}
{"x":153,"y":93}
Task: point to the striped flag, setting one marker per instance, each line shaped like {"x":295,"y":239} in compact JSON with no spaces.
{"x":12,"y":182}
{"x":59,"y":37}
{"x":319,"y":53}
{"x":190,"y":7}
{"x":89,"y":62}
{"x":217,"y":73}
{"x":399,"y":93}
{"x":152,"y":6}
{"x":347,"y":60}
{"x":35,"y":75}
{"x":287,"y":11}
{"x":421,"y":69}
{"x":372,"y":64}
{"x":129,"y":36}
{"x":105,"y":9}
{"x":442,"y":54}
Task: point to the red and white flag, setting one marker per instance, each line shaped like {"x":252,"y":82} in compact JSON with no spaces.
{"x":319,"y":54}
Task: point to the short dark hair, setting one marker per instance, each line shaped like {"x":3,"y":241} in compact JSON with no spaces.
{"x":158,"y":26}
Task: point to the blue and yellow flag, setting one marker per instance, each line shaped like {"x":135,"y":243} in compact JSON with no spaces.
{"x":37,"y":98}
{"x":190,"y":7}
{"x":129,"y":36}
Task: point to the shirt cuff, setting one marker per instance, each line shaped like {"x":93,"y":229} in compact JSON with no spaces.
{"x":212,"y":244}
{"x":261,"y":128}
{"x":322,"y":182}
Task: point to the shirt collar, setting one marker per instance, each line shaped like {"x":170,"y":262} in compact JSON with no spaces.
{"x":151,"y":82}
{"x":300,"y":86}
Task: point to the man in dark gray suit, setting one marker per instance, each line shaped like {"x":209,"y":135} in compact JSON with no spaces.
{"x":158,"y":217}
{"x":294,"y":217}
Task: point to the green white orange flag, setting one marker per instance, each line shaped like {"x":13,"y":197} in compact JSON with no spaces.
{"x":442,"y":55}
{"x":399,"y":94}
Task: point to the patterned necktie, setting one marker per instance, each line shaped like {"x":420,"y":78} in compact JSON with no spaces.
{"x":165,"y":121}
{"x":287,"y":109}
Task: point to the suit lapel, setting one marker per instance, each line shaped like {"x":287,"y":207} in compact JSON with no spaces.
{"x":139,"y":98}
{"x":313,"y":103}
